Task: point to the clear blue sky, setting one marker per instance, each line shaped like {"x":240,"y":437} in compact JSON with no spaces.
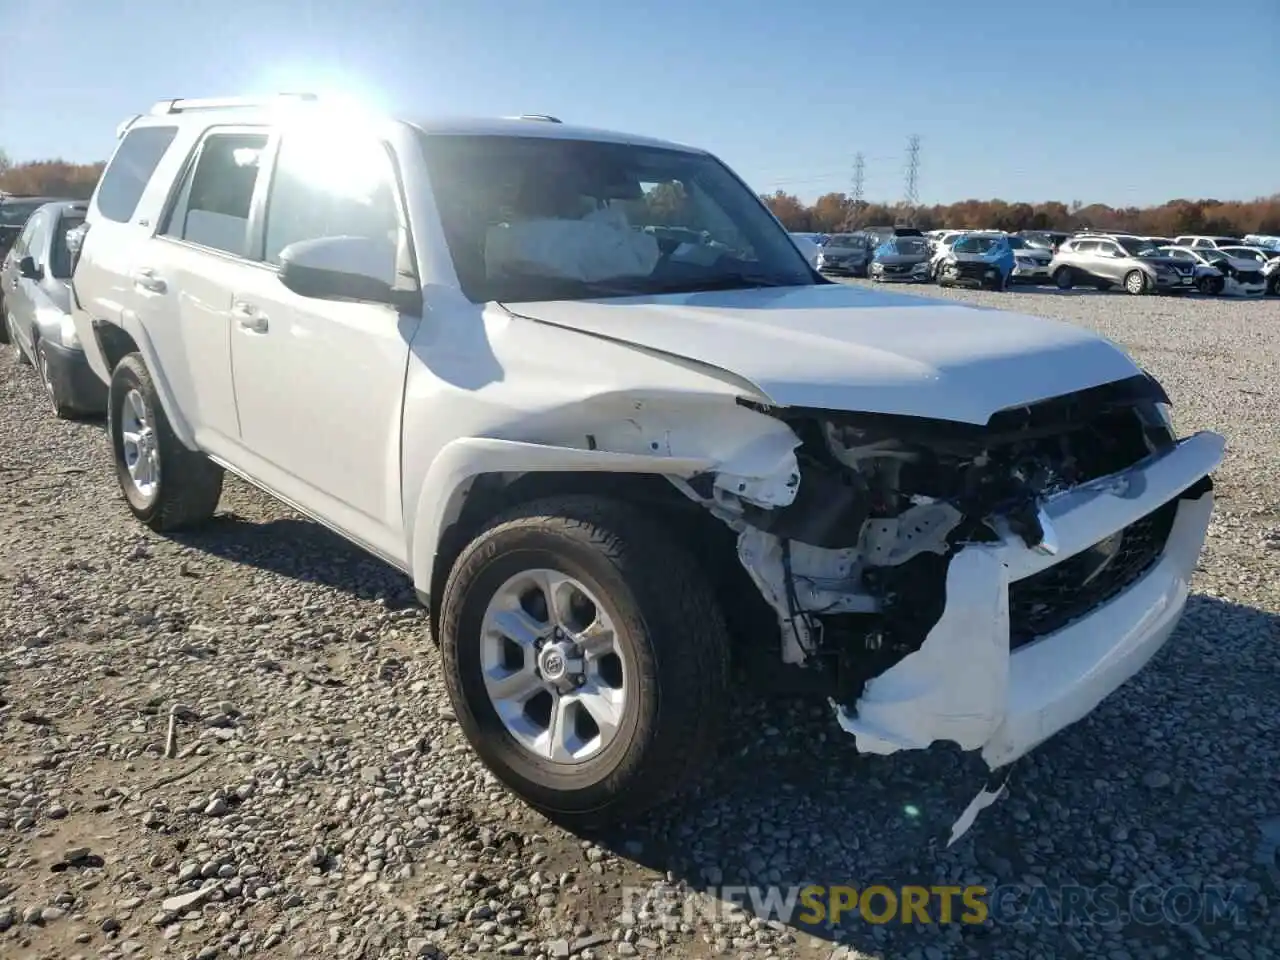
{"x":1117,"y":101}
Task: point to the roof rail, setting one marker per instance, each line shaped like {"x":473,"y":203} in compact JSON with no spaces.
{"x":181,"y":105}
{"x":543,"y":117}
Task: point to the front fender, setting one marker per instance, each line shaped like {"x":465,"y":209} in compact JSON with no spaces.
{"x":455,"y":469}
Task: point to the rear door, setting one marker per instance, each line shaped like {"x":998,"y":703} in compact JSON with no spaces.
{"x":191,"y":270}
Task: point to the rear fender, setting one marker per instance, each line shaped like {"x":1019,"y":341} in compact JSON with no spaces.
{"x":95,"y":341}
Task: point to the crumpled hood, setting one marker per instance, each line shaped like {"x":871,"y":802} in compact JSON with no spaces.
{"x":839,"y":347}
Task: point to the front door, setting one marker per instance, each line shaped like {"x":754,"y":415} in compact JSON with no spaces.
{"x":319,"y":384}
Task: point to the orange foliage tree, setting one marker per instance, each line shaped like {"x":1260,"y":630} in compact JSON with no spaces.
{"x":49,"y":178}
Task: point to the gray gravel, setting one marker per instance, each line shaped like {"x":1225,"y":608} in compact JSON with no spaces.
{"x":237,"y":743}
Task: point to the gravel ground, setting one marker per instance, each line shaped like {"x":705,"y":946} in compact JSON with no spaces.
{"x":321,"y":801}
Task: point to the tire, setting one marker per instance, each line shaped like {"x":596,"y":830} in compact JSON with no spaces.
{"x":1207,"y":286}
{"x":1135,"y":282}
{"x":1064,"y":278}
{"x":61,"y":409}
{"x":16,"y":353}
{"x":187,"y":485}
{"x":670,"y":633}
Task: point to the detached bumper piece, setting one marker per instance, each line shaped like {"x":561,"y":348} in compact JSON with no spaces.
{"x":1030,"y":641}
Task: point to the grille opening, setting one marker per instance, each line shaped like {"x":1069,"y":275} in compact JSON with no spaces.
{"x":1058,"y":596}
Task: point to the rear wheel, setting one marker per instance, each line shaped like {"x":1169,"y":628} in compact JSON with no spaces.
{"x":167,"y":486}
{"x":61,"y":409}
{"x":585,"y":656}
{"x":1135,"y":282}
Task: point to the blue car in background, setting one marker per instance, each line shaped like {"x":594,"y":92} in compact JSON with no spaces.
{"x":981,"y":260}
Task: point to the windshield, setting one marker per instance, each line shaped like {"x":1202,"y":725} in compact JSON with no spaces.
{"x":976,"y":245}
{"x":540,"y":218}
{"x":911,"y":245}
{"x":59,"y":254}
{"x":15,"y":213}
{"x":848,"y":241}
{"x":1138,"y":247}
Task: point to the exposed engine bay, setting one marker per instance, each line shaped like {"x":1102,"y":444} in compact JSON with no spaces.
{"x":856,"y":565}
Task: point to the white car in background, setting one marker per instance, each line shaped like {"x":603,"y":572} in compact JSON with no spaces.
{"x":1030,"y":263}
{"x":809,"y":246}
{"x":1267,"y":257}
{"x":1219,"y":273}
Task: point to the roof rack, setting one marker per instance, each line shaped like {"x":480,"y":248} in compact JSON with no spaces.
{"x":182,"y":105}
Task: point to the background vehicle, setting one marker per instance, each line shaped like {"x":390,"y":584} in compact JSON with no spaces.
{"x":1047,"y":239}
{"x":1201,"y":242}
{"x":847,"y":253}
{"x":14,"y":212}
{"x":1031,"y":263}
{"x":1267,"y":257}
{"x":1108,"y":259}
{"x":1236,"y":276}
{"x":881,"y":235}
{"x":594,"y":450}
{"x":1208,"y":278}
{"x":902,"y":259}
{"x":36,"y":275}
{"x":807,"y":244}
{"x":983,"y":260}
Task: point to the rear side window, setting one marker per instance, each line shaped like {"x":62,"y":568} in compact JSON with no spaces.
{"x":213,"y":207}
{"x":134,"y":162}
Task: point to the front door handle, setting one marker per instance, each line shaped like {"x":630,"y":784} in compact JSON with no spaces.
{"x":249,"y":317}
{"x":146,"y":279}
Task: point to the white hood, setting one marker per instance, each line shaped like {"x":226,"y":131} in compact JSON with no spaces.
{"x":840,"y":347}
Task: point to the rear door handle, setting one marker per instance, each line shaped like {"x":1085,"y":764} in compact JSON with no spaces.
{"x":146,"y":279}
{"x":249,"y":317}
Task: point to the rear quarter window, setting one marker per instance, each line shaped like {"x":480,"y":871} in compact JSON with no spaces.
{"x":132,"y":165}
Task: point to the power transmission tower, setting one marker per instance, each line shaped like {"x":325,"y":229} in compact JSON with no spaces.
{"x":913,"y":172}
{"x":859,"y":174}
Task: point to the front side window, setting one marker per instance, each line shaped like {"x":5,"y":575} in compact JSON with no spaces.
{"x":330,"y":183}
{"x":131,"y":167}
{"x":212,"y":209}
{"x":534,"y":218}
{"x":31,"y":243}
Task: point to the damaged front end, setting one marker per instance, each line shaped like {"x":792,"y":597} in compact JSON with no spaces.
{"x":920,"y":563}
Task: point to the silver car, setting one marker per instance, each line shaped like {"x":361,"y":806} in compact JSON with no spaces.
{"x":36,"y":278}
{"x":1030,"y":263}
{"x":1105,"y":260}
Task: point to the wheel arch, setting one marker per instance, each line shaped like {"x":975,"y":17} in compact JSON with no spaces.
{"x":114,"y":342}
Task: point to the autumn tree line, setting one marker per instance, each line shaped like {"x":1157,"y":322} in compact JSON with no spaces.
{"x":835,"y":212}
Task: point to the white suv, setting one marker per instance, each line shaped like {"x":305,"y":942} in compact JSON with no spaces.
{"x":583,"y":388}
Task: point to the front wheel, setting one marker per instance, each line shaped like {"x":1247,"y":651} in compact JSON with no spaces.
{"x":1135,"y":282}
{"x":1063,"y":279}
{"x":585,"y":657}
{"x":167,"y":486}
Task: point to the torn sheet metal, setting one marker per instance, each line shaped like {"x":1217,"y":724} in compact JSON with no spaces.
{"x":954,"y":687}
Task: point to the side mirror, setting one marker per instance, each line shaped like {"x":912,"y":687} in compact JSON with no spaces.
{"x":28,"y":270}
{"x":357,"y":269}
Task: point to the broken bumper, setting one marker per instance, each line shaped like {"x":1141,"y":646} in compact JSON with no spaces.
{"x":965,"y":684}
